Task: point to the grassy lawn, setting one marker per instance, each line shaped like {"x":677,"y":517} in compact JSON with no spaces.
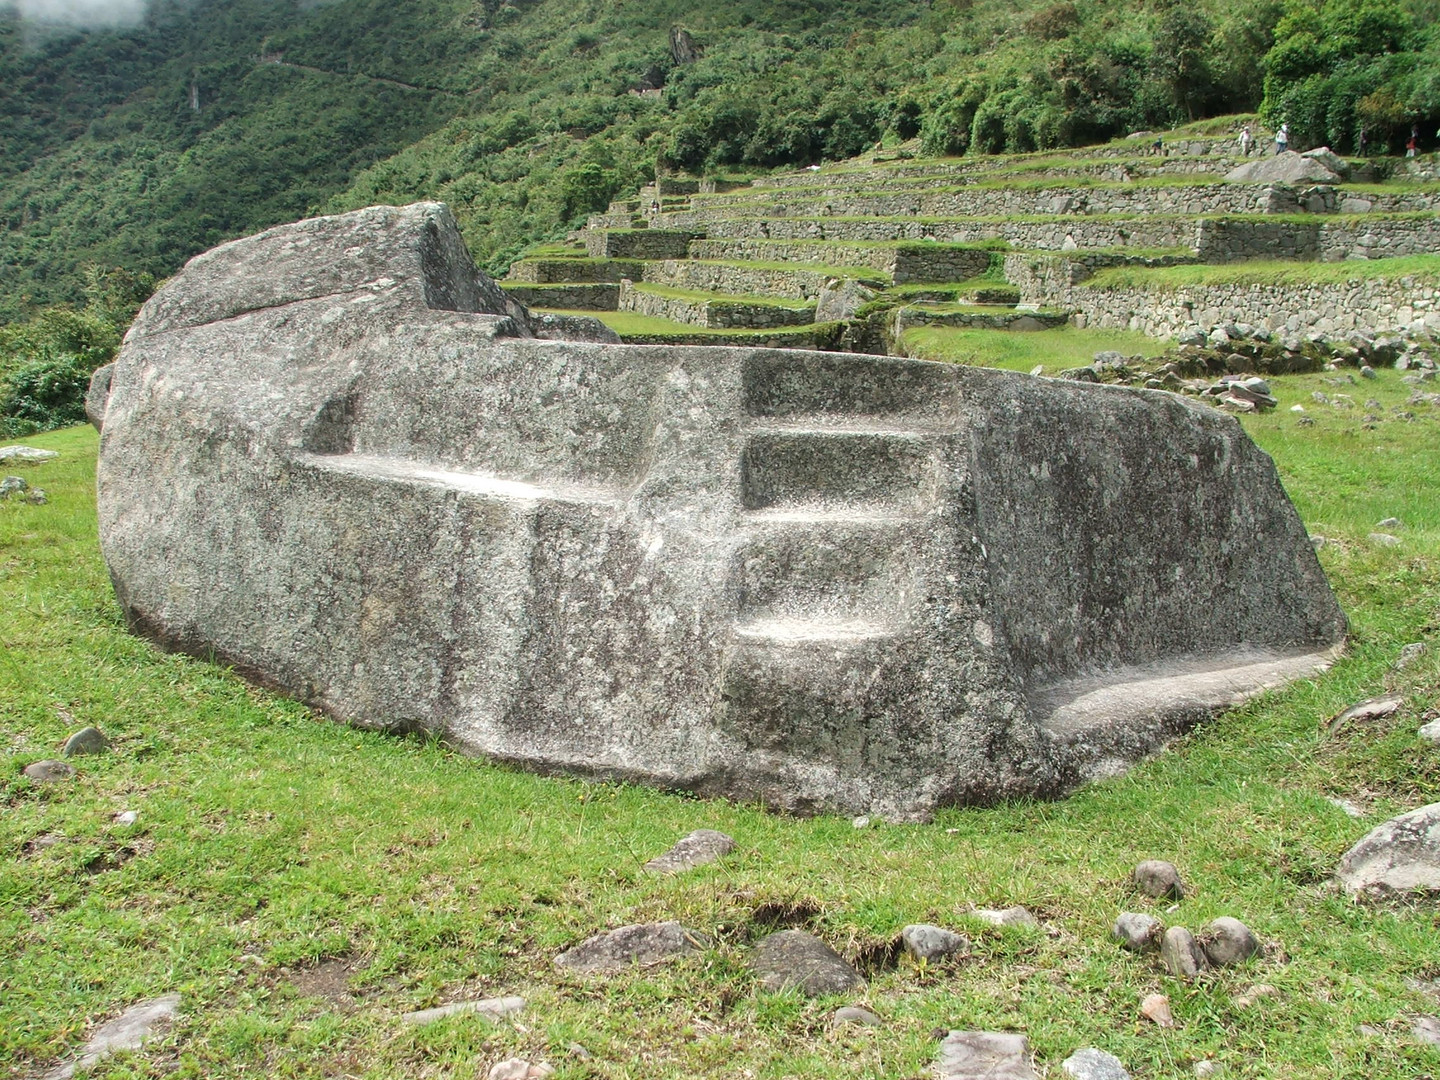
{"x":301,"y":884}
{"x":1054,"y":350}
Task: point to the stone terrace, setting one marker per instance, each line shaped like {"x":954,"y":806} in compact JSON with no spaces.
{"x":848,"y":256}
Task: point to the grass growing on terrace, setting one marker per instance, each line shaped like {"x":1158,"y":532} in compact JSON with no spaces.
{"x":1170,"y":278}
{"x":1054,"y":350}
{"x":416,"y":877}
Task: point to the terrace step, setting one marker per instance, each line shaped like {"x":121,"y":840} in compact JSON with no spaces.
{"x":713,"y":311}
{"x":753,"y":278}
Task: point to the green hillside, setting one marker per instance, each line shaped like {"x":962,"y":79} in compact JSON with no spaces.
{"x":137,"y":148}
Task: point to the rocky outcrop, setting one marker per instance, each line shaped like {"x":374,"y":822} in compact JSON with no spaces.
{"x":1399,"y":856}
{"x":1286,"y":168}
{"x":339,"y":459}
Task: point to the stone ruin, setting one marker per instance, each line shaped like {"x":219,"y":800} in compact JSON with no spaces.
{"x":335,"y":457}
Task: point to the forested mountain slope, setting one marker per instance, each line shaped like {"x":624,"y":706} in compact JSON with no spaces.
{"x":138,"y":147}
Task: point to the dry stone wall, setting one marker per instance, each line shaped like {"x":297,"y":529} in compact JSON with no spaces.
{"x":1334,"y":310}
{"x":577,"y":296}
{"x":565,"y":271}
{"x":1050,"y":233}
{"x":712,"y":314}
{"x":637,"y":243}
{"x":1224,"y":240}
{"x":736,"y":279}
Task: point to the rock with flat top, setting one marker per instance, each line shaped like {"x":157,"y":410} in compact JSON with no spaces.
{"x":1402,"y":855}
{"x":793,"y":959}
{"x":487,"y":1009}
{"x":700,"y":847}
{"x":926,"y":942}
{"x":1286,"y":168}
{"x":1093,"y":1064}
{"x":340,"y":459}
{"x":984,"y":1055}
{"x":1330,"y":160}
{"x":49,"y":771}
{"x":131,"y":1030}
{"x":639,"y":945}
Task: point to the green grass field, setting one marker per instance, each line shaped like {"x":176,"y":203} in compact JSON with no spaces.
{"x":301,"y":884}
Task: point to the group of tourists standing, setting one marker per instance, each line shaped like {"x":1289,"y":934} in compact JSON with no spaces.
{"x":1248,"y":142}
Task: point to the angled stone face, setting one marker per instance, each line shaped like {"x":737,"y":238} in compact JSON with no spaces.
{"x":337,"y":458}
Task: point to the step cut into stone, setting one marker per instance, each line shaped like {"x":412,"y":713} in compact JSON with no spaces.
{"x":338,"y":458}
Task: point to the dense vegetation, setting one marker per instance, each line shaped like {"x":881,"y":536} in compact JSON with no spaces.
{"x":125,"y":151}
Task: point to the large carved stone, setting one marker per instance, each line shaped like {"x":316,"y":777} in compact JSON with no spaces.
{"x":335,"y":457}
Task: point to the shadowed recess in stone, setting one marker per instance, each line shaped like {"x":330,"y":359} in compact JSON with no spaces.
{"x":337,"y":457}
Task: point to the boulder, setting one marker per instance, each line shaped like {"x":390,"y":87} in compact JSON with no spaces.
{"x":1286,"y":168}
{"x":1330,"y":160}
{"x":984,"y":1055}
{"x":926,"y":942}
{"x":1401,"y":855}
{"x":339,"y":459}
{"x":795,"y":960}
{"x":840,"y":298}
{"x":700,"y":847}
{"x":629,"y":946}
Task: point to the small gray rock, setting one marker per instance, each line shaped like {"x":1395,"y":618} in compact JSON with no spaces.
{"x":926,"y":942}
{"x":1204,"y":1070}
{"x":984,"y":1055}
{"x":1401,"y":855}
{"x":1430,"y":732}
{"x":1159,"y":879}
{"x":129,"y":1031}
{"x":1138,"y":932}
{"x":49,"y":771}
{"x":642,"y":944}
{"x":1228,"y":942}
{"x":88,"y":740}
{"x":793,"y":959}
{"x":1092,"y":1064}
{"x":700,"y":847}
{"x":488,"y":1009}
{"x":1367,"y":372}
{"x":853,"y":1014}
{"x":12,"y":485}
{"x":1380,"y":539}
{"x":1426,"y":1030}
{"x":1181,"y":953}
{"x":1409,"y":655}
{"x":126,"y":818}
{"x":1011,"y":916}
{"x":1390,"y":522}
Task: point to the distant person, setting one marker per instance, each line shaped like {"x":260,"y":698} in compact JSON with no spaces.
{"x":1282,"y":139}
{"x":1412,"y":143}
{"x":1159,"y":147}
{"x":1363,"y":141}
{"x":1246,"y":141}
{"x":654,"y":207}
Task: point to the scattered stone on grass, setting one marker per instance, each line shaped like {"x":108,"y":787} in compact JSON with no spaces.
{"x":88,"y":740}
{"x":861,"y":822}
{"x":1426,"y":1030}
{"x":1137,"y":932}
{"x":700,"y":847}
{"x":984,"y":1055}
{"x":1227,"y":942}
{"x":1156,"y":1007}
{"x":1430,"y":732}
{"x":26,"y":455}
{"x":1159,"y":879}
{"x":1350,"y":808}
{"x":1011,"y":916}
{"x":126,"y":818}
{"x":128,"y":1031}
{"x":1374,"y":708}
{"x":1254,"y":994}
{"x":1181,"y":953}
{"x":794,"y":959}
{"x":1390,"y":522}
{"x":12,"y":485}
{"x":49,"y":771}
{"x":642,"y":944}
{"x":492,"y":1009}
{"x":926,"y":942}
{"x":519,"y":1069}
{"x":1401,"y":855}
{"x":1205,"y":1070}
{"x":1409,"y":655}
{"x":1092,"y":1064}
{"x":1380,"y":539}
{"x":853,"y":1014}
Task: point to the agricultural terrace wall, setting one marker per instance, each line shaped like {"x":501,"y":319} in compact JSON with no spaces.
{"x":736,"y":279}
{"x":907,"y":262}
{"x":1223,"y":240}
{"x":1190,"y":199}
{"x":637,"y":243}
{"x":576,"y":296}
{"x":1377,"y":307}
{"x":565,"y":271}
{"x":1050,"y":234}
{"x":712,"y":314}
